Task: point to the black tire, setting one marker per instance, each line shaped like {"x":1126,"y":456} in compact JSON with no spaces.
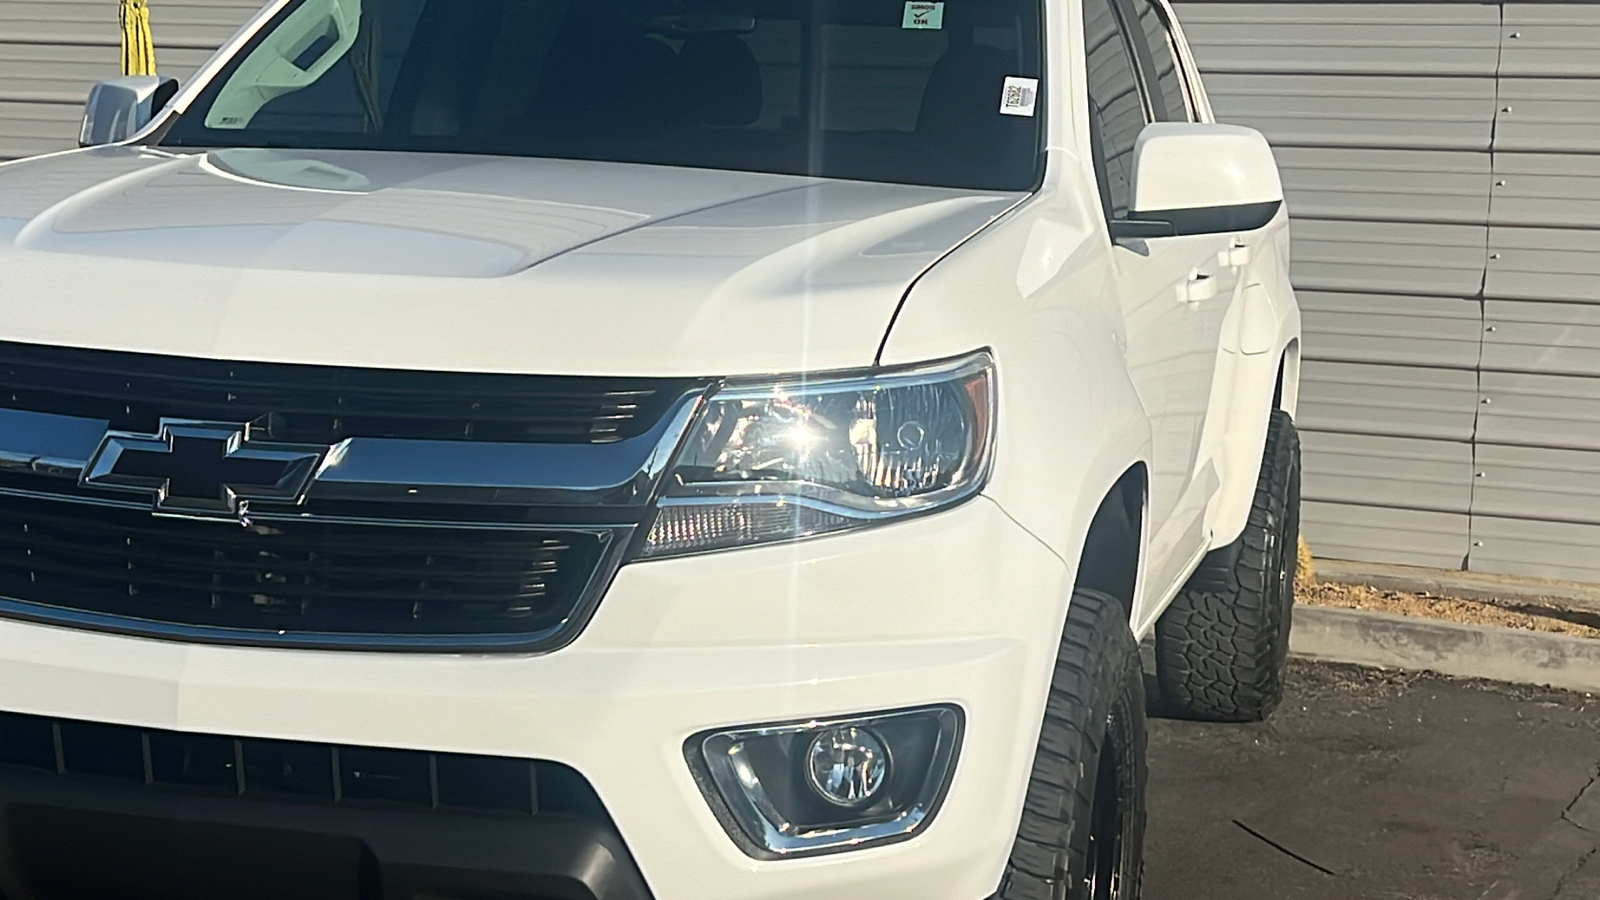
{"x":1082,"y":831}
{"x":1222,"y":646}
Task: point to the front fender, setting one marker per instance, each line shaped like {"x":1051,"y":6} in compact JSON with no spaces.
{"x":1036,"y":289}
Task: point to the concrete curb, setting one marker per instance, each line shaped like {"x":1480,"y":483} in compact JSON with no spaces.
{"x":1467,"y":651}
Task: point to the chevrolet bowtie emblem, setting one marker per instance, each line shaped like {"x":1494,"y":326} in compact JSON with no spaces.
{"x":205,"y":469}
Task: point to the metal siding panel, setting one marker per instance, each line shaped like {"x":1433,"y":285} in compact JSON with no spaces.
{"x":1392,"y":185}
{"x":1535,"y":483}
{"x":1550,"y":60}
{"x":1556,"y":550}
{"x":1398,"y":401}
{"x":1386,"y":535}
{"x":27,"y":129}
{"x":62,"y":21}
{"x":1542,"y":338}
{"x":1552,"y":39}
{"x":1555,"y":411}
{"x":1548,"y":114}
{"x":1359,"y":111}
{"x":1391,"y":257}
{"x":203,"y":22}
{"x":1548,"y":190}
{"x":1354,"y":38}
{"x":45,"y":73}
{"x":1386,"y":471}
{"x":1543,"y":264}
{"x":1535,"y":509}
{"x":1385,"y":328}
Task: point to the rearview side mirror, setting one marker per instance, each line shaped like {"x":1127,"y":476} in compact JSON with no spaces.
{"x":118,"y":109}
{"x":1199,"y":178}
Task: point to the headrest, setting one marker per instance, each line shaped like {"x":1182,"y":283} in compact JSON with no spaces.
{"x":606,"y":82}
{"x":963,"y":92}
{"x":721,"y":80}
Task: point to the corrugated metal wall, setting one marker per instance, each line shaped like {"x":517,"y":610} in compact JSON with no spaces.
{"x":51,"y":51}
{"x":1443,"y":167}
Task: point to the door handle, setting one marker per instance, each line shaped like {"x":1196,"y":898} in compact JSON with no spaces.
{"x":1237,"y":256}
{"x":1200,"y":288}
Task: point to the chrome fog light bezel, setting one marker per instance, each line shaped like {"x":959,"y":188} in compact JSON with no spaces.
{"x":740,"y":800}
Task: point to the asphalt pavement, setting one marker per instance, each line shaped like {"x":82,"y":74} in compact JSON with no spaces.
{"x":1382,"y":785}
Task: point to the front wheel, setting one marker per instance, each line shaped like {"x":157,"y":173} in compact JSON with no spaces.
{"x":1222,"y":646}
{"x":1082,"y":831}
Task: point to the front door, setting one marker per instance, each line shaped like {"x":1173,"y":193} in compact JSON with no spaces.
{"x":1175,"y":291}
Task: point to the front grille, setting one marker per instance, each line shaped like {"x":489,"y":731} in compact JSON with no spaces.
{"x":435,"y":554}
{"x":283,"y":581}
{"x":326,"y":404}
{"x":293,"y":770}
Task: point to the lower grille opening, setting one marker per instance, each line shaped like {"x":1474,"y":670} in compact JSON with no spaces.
{"x":90,"y":811}
{"x":295,"y":577}
{"x":329,"y":774}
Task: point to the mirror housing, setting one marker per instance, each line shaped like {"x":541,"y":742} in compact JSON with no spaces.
{"x":120,"y":108}
{"x":1199,"y":178}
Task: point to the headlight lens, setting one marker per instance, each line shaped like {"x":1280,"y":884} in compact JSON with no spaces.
{"x":793,"y":459}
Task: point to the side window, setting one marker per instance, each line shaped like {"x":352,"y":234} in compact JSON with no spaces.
{"x":1166,"y":81}
{"x":1116,"y":105}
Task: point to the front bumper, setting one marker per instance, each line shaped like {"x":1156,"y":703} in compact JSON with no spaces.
{"x":962,"y":608}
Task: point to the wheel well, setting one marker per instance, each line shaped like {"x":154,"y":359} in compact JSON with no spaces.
{"x":1110,"y":561}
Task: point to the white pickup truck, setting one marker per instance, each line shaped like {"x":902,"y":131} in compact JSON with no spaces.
{"x":627,"y":449}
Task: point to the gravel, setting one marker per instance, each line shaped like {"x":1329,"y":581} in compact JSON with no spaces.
{"x":1471,"y":612}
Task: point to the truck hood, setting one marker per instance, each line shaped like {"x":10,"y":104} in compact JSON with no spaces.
{"x":431,"y":261}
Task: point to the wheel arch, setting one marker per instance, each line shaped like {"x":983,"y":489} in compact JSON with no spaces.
{"x":1113,"y":549}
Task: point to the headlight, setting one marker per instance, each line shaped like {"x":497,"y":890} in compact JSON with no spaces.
{"x":792,"y":459}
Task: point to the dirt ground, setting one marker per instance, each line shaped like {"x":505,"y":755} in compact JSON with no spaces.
{"x":1431,"y":606}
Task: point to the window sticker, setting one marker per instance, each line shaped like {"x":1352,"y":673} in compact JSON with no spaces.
{"x":923,"y":16}
{"x":1019,"y":96}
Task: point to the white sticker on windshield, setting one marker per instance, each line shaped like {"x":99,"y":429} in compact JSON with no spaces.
{"x":1019,"y":96}
{"x":921,"y":15}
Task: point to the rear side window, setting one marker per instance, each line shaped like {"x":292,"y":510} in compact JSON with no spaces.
{"x":1116,"y":105}
{"x":1170,"y":98}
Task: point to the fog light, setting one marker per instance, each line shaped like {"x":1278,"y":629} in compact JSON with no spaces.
{"x":847,"y":767}
{"x":828,"y":785}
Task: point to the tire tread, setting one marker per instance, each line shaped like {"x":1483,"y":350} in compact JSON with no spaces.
{"x":1219,"y":646}
{"x":1097,"y":658}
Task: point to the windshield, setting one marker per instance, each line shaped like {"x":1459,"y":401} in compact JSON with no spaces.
{"x":938,"y":93}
